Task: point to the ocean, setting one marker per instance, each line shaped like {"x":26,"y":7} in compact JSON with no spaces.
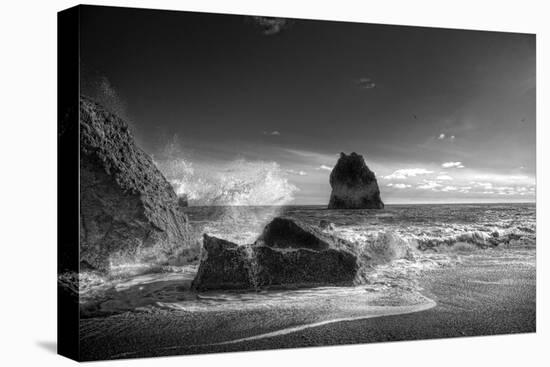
{"x":438,"y":236}
{"x":477,"y":257}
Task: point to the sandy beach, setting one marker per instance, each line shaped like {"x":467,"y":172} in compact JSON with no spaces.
{"x":474,"y":298}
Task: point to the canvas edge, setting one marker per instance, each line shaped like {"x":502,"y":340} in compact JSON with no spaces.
{"x":68,"y":65}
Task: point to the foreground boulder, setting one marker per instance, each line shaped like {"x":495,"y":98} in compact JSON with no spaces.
{"x":354,"y":185}
{"x":128,"y":211}
{"x":223,"y":265}
{"x":286,"y":254}
{"x":285,"y":233}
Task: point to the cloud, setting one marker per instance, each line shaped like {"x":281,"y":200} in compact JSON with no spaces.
{"x":407,"y":172}
{"x":512,"y":188}
{"x":271,"y":25}
{"x":502,"y":178}
{"x":398,"y":185}
{"x":275,"y":133}
{"x":449,"y":188}
{"x":324,"y":167}
{"x":365,"y":83}
{"x":443,"y":136}
{"x":294,"y":172}
{"x":452,"y":165}
{"x":429,"y":185}
{"x":465,"y":189}
{"x":444,"y":178}
{"x":485,"y":185}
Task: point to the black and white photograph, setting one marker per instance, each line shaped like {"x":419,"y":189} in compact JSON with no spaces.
{"x":259,"y":183}
{"x":252,"y":182}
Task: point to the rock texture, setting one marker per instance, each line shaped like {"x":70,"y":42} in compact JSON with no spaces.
{"x":285,"y":233}
{"x":286,"y":254}
{"x":223,"y":265}
{"x":354,"y":185}
{"x":128,"y":211}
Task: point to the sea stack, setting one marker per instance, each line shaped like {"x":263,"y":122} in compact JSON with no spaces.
{"x":354,"y":185}
{"x":128,"y":210}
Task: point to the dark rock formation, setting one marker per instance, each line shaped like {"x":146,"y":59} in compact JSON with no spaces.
{"x":128,"y":211}
{"x":285,"y":233}
{"x":303,"y":267}
{"x":354,"y":185}
{"x":286,"y":254}
{"x":183,"y":202}
{"x":223,"y":265}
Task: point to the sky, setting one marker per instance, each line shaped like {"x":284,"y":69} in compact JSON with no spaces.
{"x":440,"y":115}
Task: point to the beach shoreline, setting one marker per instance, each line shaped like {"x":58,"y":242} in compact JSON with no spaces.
{"x":471,"y":299}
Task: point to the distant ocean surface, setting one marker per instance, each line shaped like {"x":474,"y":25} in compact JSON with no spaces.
{"x":442,"y":235}
{"x":430,"y":225}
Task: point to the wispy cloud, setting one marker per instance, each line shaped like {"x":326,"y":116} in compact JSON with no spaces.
{"x":398,"y":185}
{"x":271,"y":25}
{"x":444,"y":136}
{"x":452,"y":165}
{"x":429,"y":185}
{"x":365,"y":83}
{"x":449,"y":188}
{"x":310,"y":155}
{"x":324,"y":167}
{"x":503,"y":178}
{"x":465,"y":189}
{"x":407,"y":172}
{"x":444,"y":178}
{"x":275,"y":132}
{"x":484,"y":185}
{"x":295,"y":172}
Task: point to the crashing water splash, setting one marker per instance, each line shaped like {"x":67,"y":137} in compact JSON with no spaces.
{"x":230,"y":189}
{"x":237,"y":183}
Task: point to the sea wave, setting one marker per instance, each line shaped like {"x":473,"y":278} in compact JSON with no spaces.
{"x":237,"y":183}
{"x":394,"y":249}
{"x":435,"y":239}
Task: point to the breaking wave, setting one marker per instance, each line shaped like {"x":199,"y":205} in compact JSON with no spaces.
{"x":237,"y":183}
{"x":228,"y":191}
{"x":395,"y":247}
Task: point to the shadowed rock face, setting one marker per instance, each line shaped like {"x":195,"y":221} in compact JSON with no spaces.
{"x":286,"y":254}
{"x":224,"y":265}
{"x":354,"y":185}
{"x":128,"y":211}
{"x":284,"y":233}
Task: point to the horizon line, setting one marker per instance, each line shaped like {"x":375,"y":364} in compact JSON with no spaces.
{"x":390,"y":204}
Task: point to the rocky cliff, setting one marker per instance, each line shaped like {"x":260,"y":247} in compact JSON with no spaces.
{"x":354,"y":185}
{"x":128,"y":211}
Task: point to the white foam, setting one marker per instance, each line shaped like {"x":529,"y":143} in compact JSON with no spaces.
{"x":239,"y":182}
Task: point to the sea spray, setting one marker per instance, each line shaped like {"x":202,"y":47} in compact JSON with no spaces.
{"x":236,"y":182}
{"x":253,"y":266}
{"x":229,"y":189}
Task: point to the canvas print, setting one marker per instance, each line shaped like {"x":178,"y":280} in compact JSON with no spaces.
{"x":238,"y":183}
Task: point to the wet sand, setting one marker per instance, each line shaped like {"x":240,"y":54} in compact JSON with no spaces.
{"x":474,"y":298}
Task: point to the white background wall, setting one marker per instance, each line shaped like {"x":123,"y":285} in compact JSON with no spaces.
{"x":28,"y":181}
